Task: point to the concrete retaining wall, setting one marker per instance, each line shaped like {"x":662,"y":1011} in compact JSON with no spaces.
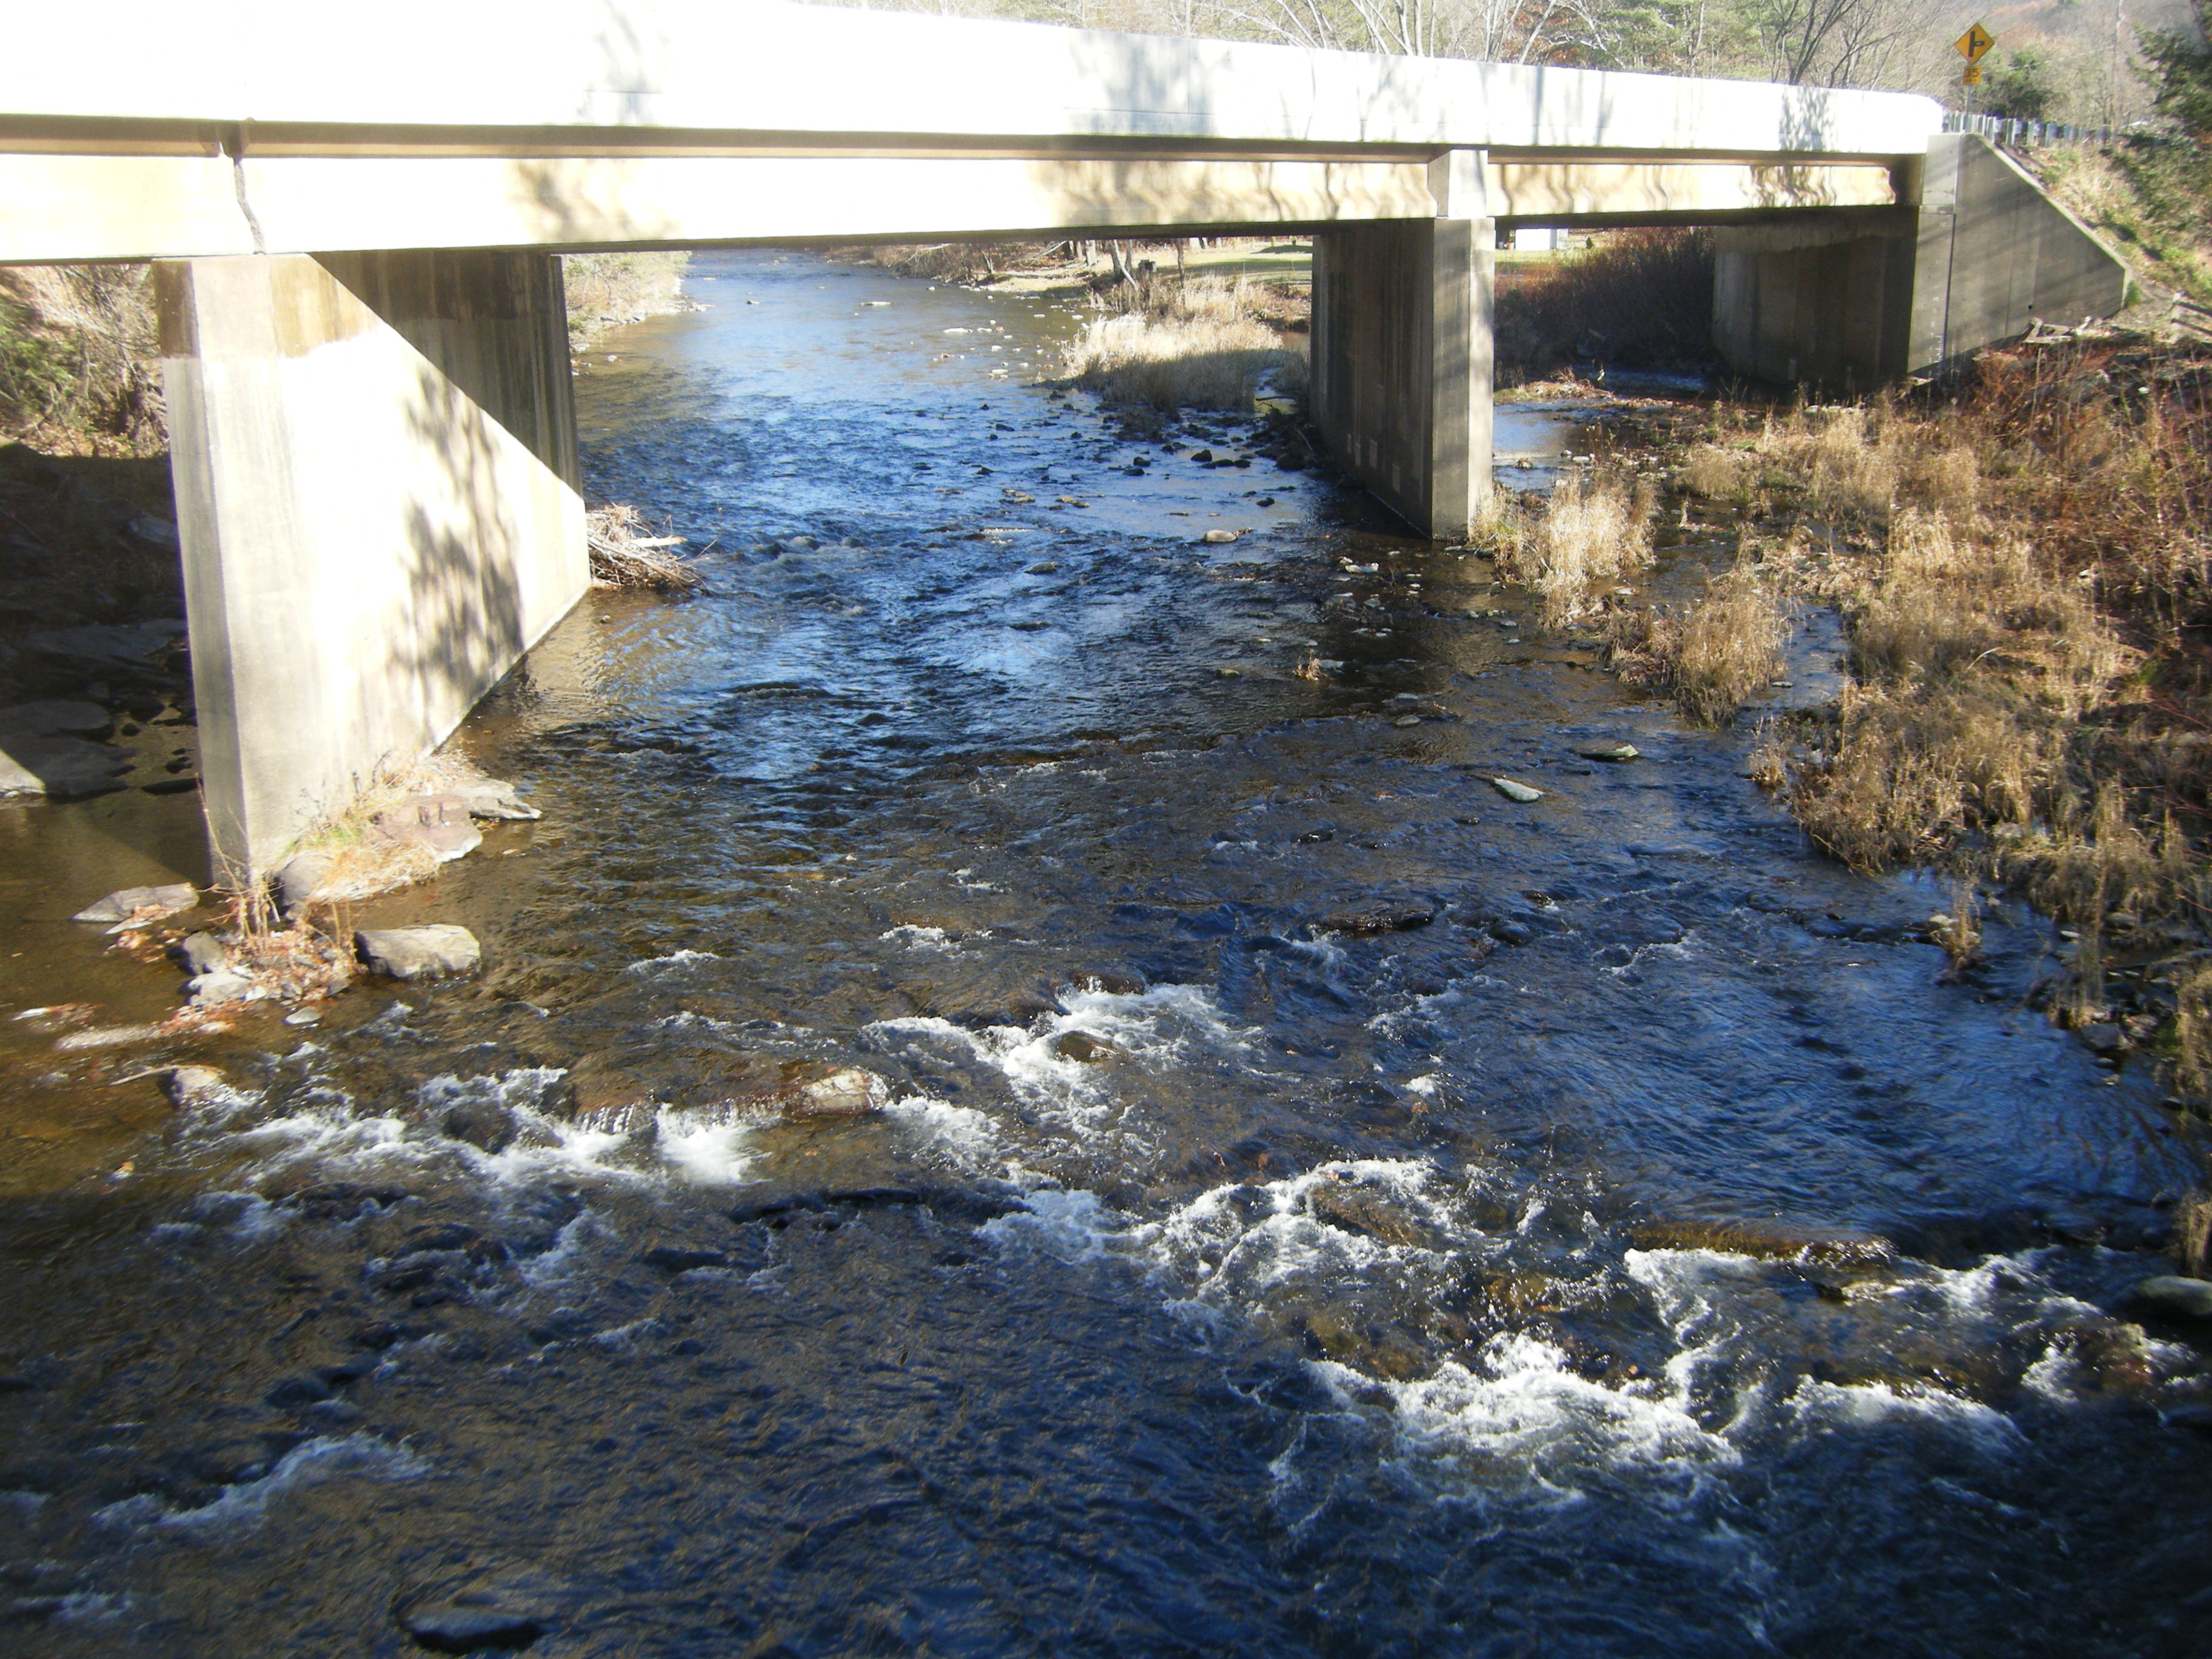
{"x":1851,"y":302}
{"x":1994,"y":253}
{"x":367,"y":549}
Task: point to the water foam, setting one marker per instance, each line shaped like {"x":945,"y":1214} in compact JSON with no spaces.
{"x":247,"y":1503}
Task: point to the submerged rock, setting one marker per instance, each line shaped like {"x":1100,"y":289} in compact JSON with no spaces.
{"x":140,"y":903}
{"x":1609,"y":752}
{"x":468,"y":1626}
{"x":433,"y":951}
{"x":2173,"y":1296}
{"x":192,"y":1085}
{"x":1083,"y":1047}
{"x":1383,"y":916}
{"x":1513,"y":791}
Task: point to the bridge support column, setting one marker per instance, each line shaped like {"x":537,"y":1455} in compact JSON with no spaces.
{"x":1401,"y":351}
{"x":375,"y":469}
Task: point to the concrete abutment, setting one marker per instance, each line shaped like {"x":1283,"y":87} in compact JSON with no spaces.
{"x":375,"y":457}
{"x":1852,"y":300}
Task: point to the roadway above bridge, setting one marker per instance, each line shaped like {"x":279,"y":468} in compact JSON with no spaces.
{"x":260,"y":126}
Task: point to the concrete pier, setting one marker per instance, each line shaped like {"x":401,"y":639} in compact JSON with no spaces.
{"x":374,"y":462}
{"x":1402,"y":352}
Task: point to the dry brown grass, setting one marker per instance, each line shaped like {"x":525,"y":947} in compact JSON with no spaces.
{"x":2025,"y":573}
{"x":1717,"y":475}
{"x":1728,"y":646}
{"x":1178,"y":346}
{"x":1714,"y":655}
{"x":1595,"y":530}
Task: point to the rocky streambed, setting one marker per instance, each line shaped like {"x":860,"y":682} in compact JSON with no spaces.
{"x":1032,"y":1090}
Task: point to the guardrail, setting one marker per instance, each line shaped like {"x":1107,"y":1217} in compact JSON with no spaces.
{"x":2020,"y":134}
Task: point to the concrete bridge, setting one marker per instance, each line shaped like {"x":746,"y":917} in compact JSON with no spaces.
{"x":363,"y":337}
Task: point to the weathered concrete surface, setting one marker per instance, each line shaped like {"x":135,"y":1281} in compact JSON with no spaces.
{"x":160,"y":206}
{"x":367,"y":549}
{"x":1851,"y":300}
{"x":1994,"y":253}
{"x":1826,"y":302}
{"x":1401,"y":353}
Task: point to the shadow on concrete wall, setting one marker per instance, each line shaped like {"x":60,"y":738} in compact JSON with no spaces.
{"x":463,"y":545}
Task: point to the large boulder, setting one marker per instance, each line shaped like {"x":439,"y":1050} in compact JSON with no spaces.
{"x":433,"y":951}
{"x":439,"y":822}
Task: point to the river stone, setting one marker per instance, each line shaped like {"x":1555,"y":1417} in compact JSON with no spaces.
{"x":224,"y":985}
{"x":1083,"y":1047}
{"x":2174,"y":1296}
{"x":192,"y":1085}
{"x":1383,"y":916}
{"x":1513,"y":791}
{"x":849,"y":1093}
{"x":301,"y":880}
{"x":140,"y":903}
{"x":1219,"y":538}
{"x":1406,"y":720}
{"x":496,"y":799}
{"x":429,"y":952}
{"x":202,"y":953}
{"x":1609,"y":752}
{"x":467,"y":1624}
{"x":440,"y":822}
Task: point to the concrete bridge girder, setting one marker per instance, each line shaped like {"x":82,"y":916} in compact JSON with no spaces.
{"x":166,"y":206}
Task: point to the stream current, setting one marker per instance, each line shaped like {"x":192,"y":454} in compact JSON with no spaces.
{"x":1650,"y":1253}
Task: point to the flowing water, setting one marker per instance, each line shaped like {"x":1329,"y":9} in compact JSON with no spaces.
{"x":1650,"y":1253}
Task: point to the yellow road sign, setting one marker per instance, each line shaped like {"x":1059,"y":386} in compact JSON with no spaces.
{"x":1974,"y":45}
{"x":1972,"y":77}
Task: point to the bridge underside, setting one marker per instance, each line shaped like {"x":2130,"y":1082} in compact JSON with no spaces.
{"x":374,"y":449}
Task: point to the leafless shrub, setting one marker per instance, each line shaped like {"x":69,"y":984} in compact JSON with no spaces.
{"x":1637,"y":297}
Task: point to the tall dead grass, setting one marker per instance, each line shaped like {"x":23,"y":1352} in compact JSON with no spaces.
{"x":1194,"y":346}
{"x":2025,"y":574}
{"x":1594,"y":530}
{"x":1714,"y":655}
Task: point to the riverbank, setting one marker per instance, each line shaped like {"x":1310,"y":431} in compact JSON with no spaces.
{"x":2015,"y":578}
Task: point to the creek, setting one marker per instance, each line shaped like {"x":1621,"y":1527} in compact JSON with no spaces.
{"x":1652,"y":1252}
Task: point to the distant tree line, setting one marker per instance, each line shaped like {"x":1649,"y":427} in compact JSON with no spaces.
{"x":2093,"y":69}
